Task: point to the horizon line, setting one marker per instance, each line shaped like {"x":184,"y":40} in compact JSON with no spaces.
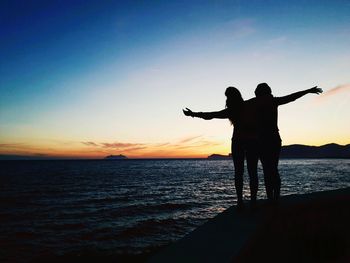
{"x":4,"y":157}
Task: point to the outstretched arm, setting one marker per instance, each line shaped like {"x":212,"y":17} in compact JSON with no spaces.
{"x":297,"y":95}
{"x":223,"y":114}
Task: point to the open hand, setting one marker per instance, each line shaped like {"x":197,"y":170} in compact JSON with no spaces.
{"x":316,"y":90}
{"x":188,"y":112}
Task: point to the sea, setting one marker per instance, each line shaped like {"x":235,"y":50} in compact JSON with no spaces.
{"x":55,"y":208}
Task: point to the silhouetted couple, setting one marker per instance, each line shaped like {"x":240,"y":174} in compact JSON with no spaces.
{"x":255,"y":136}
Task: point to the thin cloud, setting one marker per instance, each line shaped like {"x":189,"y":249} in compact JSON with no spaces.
{"x":195,"y":144}
{"x":337,"y":89}
{"x":208,"y":143}
{"x":184,"y":145}
{"x":241,"y":28}
{"x":135,"y":149}
{"x":120,"y":145}
{"x":162,"y":144}
{"x":331,"y":92}
{"x":90,"y":144}
{"x":178,"y":147}
{"x":117,"y":146}
{"x":189,"y":139}
{"x":10,"y":145}
{"x":200,"y":145}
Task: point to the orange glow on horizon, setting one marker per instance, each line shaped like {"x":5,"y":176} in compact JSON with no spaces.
{"x":188,"y":149}
{"x":98,"y":155}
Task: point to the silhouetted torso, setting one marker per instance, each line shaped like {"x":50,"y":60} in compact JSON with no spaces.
{"x":267,"y":116}
{"x":245,"y":124}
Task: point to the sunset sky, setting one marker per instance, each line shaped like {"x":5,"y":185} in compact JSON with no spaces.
{"x":91,"y":78}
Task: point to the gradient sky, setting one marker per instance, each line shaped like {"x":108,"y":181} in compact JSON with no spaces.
{"x":92,"y":78}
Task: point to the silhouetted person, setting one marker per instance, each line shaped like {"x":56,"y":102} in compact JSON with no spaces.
{"x":242,"y":115}
{"x":268,"y":134}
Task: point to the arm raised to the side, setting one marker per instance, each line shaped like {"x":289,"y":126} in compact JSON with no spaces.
{"x":297,"y":95}
{"x":223,"y":114}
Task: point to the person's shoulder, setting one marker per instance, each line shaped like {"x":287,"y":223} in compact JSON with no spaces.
{"x":250,"y":101}
{"x":277,"y":100}
{"x":265,"y":101}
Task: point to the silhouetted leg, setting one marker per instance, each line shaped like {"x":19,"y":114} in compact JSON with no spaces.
{"x":267,"y":163}
{"x":268,"y":174}
{"x":269,"y":155}
{"x":252,"y":164}
{"x":276,"y":177}
{"x":277,"y":190}
{"x":275,"y":182}
{"x":238,"y":162}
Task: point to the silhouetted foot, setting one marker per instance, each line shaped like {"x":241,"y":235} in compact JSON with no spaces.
{"x":271,"y":204}
{"x":240,"y":206}
{"x":269,"y":200}
{"x":276,"y":199}
{"x":253,"y":205}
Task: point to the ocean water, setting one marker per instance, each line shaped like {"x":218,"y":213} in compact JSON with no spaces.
{"x":128,"y":207}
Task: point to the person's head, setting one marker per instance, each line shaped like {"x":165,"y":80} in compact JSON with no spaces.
{"x":262,"y":90}
{"x":233,"y":97}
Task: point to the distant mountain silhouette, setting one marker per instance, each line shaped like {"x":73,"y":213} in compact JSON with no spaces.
{"x":38,"y":157}
{"x":22,"y":157}
{"x":331,"y":150}
{"x":116,"y":157}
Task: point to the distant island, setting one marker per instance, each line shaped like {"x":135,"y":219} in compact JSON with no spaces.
{"x":331,"y":150}
{"x":220,"y":156}
{"x":116,"y":157}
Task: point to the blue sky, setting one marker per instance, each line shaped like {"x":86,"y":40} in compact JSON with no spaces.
{"x":102,"y":71}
